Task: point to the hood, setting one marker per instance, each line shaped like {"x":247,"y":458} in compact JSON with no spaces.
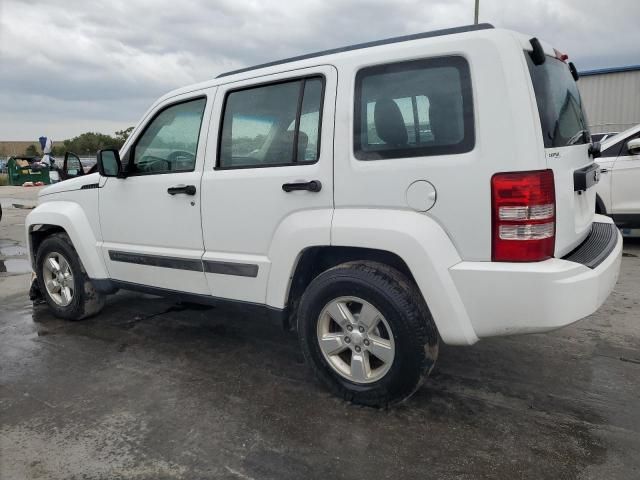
{"x":71,"y":184}
{"x":610,"y":141}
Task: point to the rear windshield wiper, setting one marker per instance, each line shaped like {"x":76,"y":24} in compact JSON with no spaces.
{"x":582,"y":134}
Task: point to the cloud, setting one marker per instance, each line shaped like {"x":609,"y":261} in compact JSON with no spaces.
{"x":71,"y":66}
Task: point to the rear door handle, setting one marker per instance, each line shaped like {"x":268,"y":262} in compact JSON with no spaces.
{"x":186,"y":189}
{"x":312,"y":186}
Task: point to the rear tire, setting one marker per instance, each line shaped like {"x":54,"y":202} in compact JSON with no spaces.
{"x":63,"y":280}
{"x":375,"y":366}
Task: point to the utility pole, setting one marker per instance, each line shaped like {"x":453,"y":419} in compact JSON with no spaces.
{"x":475,"y":21}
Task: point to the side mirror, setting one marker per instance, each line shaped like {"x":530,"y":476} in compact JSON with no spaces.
{"x":72,"y":166}
{"x":109,"y":164}
{"x":634,"y":146}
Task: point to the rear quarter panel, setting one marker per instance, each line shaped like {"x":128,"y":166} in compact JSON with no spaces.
{"x":506,"y":139}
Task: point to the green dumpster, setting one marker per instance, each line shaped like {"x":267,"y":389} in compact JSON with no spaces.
{"x":21,"y":169}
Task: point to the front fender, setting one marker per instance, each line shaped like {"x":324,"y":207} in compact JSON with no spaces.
{"x":72,"y":218}
{"x":426,"y":249}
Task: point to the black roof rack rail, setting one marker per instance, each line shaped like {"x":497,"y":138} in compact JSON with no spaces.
{"x":358,"y":46}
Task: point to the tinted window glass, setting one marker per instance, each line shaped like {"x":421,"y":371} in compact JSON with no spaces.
{"x":170,"y":141}
{"x":619,"y":148}
{"x":625,"y":149}
{"x":309,"y":134}
{"x":73,"y":166}
{"x":261,"y":125}
{"x":612,"y":151}
{"x":562,"y":118}
{"x":413,"y":109}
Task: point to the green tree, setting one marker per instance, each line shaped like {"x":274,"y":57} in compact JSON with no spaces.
{"x":122,"y":135}
{"x":31,"y":151}
{"x":58,"y":150}
{"x":87,"y":143}
{"x":90,"y":142}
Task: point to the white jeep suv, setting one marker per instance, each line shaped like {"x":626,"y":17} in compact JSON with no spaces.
{"x":376,"y":198}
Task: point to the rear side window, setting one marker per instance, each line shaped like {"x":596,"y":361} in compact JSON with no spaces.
{"x":272,"y":125}
{"x":414,"y":109}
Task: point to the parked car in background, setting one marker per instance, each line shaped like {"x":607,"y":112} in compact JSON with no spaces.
{"x":73,"y":166}
{"x":601,"y":137}
{"x":618,"y":191}
{"x":375,"y":215}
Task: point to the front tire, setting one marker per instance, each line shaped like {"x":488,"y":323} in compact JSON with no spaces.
{"x":367,"y":333}
{"x":63,"y":281}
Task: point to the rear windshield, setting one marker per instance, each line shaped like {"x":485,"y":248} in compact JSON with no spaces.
{"x":562,"y":119}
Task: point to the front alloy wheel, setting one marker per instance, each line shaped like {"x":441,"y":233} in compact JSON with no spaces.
{"x":58,"y":279}
{"x":63,"y":281}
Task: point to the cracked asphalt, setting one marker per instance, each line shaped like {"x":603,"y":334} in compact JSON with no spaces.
{"x":152,"y":389}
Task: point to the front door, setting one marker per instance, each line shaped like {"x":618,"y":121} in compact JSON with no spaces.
{"x":269,"y":186}
{"x":150,"y":220}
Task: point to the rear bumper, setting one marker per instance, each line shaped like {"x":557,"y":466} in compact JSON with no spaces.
{"x":513,"y":298}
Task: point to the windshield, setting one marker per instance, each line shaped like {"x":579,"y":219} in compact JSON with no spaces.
{"x":562,"y":119}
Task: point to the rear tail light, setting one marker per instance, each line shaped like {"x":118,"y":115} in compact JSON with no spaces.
{"x":523,"y":216}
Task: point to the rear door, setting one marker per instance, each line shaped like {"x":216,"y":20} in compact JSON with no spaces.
{"x":566,"y":141}
{"x":270,"y":170}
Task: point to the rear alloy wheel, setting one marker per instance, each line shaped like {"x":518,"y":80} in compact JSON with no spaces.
{"x":367,"y":333}
{"x":355,"y":339}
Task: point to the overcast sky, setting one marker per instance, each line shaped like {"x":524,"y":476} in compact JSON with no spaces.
{"x":72,"y":66}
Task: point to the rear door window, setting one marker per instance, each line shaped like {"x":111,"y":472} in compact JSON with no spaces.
{"x":413,"y":109}
{"x":272,"y":125}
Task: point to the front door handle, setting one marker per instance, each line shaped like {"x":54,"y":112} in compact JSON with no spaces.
{"x":186,"y":189}
{"x":312,"y":186}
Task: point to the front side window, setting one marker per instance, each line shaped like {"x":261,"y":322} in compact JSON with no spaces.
{"x":272,"y":125}
{"x":414,"y":109}
{"x":170,"y":142}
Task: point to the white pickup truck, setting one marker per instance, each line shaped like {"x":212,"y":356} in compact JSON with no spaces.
{"x":377,"y":198}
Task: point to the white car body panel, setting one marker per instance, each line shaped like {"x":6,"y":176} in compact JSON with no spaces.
{"x":296,"y":233}
{"x":625,"y":185}
{"x":463,"y":199}
{"x":403,"y":233}
{"x":245,"y":208}
{"x":516,"y":298}
{"x":620,"y":176}
{"x":75,"y":220}
{"x":138,"y":216}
